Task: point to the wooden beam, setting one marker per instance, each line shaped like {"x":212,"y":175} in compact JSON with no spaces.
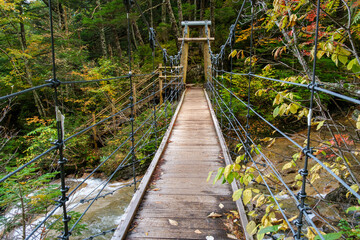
{"x":168,"y":67}
{"x":185,"y":53}
{"x":227,"y":158}
{"x":130,"y":212}
{"x":171,"y":76}
{"x":195,"y":39}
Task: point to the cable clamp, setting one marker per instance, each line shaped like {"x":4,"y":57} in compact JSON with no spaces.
{"x":303,"y":172}
{"x":308,"y":151}
{"x":311,"y":86}
{"x":63,"y":161}
{"x":64,"y":237}
{"x":62,"y":201}
{"x":130,"y":74}
{"x":297,"y":223}
{"x":67,"y":219}
{"x":304,"y":208}
{"x":55,"y":83}
{"x":65,"y":190}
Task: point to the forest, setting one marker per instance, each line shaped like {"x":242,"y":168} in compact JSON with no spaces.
{"x":93,"y":39}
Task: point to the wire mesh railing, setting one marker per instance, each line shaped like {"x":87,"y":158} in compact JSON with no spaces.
{"x":144,"y":109}
{"x":247,"y":153}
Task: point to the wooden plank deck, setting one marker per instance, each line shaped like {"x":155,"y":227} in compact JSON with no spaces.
{"x":179,"y":193}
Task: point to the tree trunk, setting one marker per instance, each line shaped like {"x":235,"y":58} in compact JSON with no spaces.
{"x":195,"y":4}
{"x":151,"y":14}
{"x":202,"y":8}
{"x":180,"y":13}
{"x":212,"y":16}
{"x":137,"y":32}
{"x":163,"y":12}
{"x":28,"y":76}
{"x":102,"y":34}
{"x":117,"y":43}
{"x":133,"y":35}
{"x":61,"y":16}
{"x":173,"y":22}
{"x":66,"y":22}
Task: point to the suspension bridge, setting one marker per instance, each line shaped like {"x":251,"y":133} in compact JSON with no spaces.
{"x":190,"y":127}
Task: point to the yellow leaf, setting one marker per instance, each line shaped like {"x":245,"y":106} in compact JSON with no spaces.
{"x":237,"y":194}
{"x":292,"y":20}
{"x":261,"y":200}
{"x":267,"y":139}
{"x":320,"y":125}
{"x":271,"y":143}
{"x":287,"y":165}
{"x":282,"y":109}
{"x":227,"y":170}
{"x":258,"y":179}
{"x":355,"y":187}
{"x":214,"y":215}
{"x":251,"y":213}
{"x":173,"y":222}
{"x":358,"y":122}
{"x":231,"y":236}
{"x":293,"y":107}
{"x":251,"y":228}
{"x":247,"y":196}
{"x":232,"y":54}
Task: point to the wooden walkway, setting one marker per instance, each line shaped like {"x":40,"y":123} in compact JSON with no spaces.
{"x":179,"y":199}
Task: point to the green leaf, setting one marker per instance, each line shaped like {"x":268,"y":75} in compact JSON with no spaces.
{"x":230,"y":177}
{"x":353,"y":208}
{"x":209,"y":176}
{"x":351,"y":64}
{"x":334,"y":57}
{"x":218,"y":175}
{"x":237,"y":194}
{"x":343,"y":59}
{"x":269,"y":229}
{"x":276,"y":112}
{"x":330,"y":236}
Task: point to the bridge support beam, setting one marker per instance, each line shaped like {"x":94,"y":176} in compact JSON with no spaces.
{"x":185,"y":53}
{"x":205,"y":25}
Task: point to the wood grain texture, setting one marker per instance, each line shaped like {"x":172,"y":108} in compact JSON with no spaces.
{"x":227,"y":158}
{"x":130,"y":212}
{"x":178,"y":190}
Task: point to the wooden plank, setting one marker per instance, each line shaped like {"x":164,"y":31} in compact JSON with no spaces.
{"x":183,"y":223}
{"x":179,"y":189}
{"x":173,"y":233}
{"x":130,"y":212}
{"x":234,"y":186}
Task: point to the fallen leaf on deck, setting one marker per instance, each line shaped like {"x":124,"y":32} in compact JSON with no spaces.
{"x":221,"y":205}
{"x":197,"y":231}
{"x":231,"y":236}
{"x":210,"y":238}
{"x":146,"y":233}
{"x":156,"y":189}
{"x":173,"y":222}
{"x":214,"y":215}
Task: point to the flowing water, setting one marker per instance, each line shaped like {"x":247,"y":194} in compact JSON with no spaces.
{"x":104,"y":214}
